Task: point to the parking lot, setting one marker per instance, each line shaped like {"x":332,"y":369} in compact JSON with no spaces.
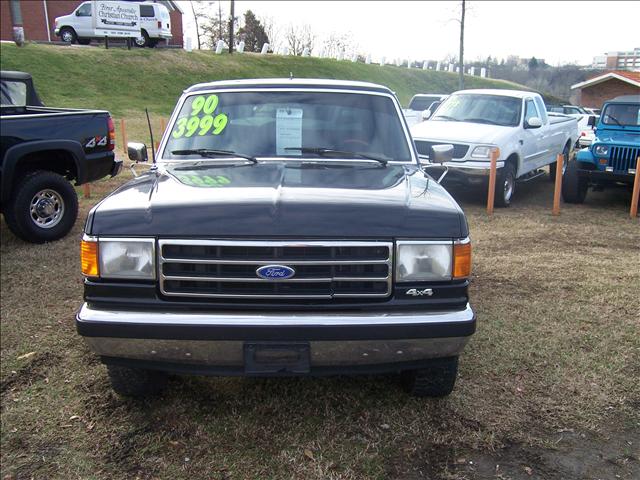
{"x":547,"y":389}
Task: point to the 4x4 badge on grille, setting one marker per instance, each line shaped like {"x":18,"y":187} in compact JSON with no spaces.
{"x":419,"y":293}
{"x":275,"y":272}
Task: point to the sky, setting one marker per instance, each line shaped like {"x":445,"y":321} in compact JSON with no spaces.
{"x":559,"y":32}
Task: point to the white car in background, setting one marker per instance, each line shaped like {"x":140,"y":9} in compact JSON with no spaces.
{"x":77,"y":27}
{"x":419,"y":104}
{"x":586,"y":133}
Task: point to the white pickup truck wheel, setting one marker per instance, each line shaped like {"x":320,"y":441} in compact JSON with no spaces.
{"x":554,"y":166}
{"x":505,"y":185}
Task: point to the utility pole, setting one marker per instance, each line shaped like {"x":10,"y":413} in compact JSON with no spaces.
{"x":231,"y":23}
{"x":195,"y":19}
{"x":461,"y":56}
{"x":16,"y":20}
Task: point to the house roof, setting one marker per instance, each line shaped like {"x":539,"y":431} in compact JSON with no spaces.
{"x":632,"y":78}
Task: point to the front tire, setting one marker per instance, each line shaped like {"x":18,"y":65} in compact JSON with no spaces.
{"x":136,"y":382}
{"x":68,"y":35}
{"x":574,"y":188}
{"x":435,"y":380}
{"x":142,"y":41}
{"x":43,"y":207}
{"x":505,"y":185}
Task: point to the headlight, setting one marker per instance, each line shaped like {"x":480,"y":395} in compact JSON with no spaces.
{"x":423,"y":261}
{"x":481,"y":152}
{"x":602,"y":150}
{"x":127,"y":258}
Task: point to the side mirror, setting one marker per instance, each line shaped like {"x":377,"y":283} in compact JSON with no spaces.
{"x":533,"y":122}
{"x":426,"y":114}
{"x":137,"y":152}
{"x":592,"y":121}
{"x":441,"y":153}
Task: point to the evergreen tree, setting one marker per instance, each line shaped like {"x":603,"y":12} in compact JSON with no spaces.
{"x":252,"y":33}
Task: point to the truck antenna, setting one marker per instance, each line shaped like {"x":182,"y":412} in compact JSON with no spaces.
{"x":153,"y":150}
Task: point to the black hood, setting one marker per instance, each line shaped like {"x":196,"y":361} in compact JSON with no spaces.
{"x":289,"y":199}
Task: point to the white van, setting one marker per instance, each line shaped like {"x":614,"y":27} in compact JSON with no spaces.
{"x":77,"y":26}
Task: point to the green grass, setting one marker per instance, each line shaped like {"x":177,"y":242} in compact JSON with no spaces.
{"x":125,"y":82}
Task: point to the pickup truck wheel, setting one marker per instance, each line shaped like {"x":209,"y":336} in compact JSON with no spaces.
{"x":554,"y":166}
{"x":574,"y":188}
{"x":436,"y":380}
{"x":505,"y":185}
{"x":136,"y":382}
{"x":68,"y":35}
{"x":43,"y":208}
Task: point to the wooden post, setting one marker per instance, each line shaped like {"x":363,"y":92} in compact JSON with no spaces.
{"x":556,"y":193}
{"x":633,"y":212}
{"x":86,"y":188}
{"x":124,"y":136}
{"x":495,"y":153}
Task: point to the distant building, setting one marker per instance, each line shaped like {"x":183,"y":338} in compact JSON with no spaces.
{"x":38,"y":18}
{"x":618,"y":61}
{"x":594,"y":92}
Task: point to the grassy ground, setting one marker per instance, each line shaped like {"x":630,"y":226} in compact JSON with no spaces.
{"x":125,"y":82}
{"x":548,"y":386}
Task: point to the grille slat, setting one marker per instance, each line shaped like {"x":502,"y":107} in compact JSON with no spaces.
{"x":324,"y":270}
{"x":623,"y":158}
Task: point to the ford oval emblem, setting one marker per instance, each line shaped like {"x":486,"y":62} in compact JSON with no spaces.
{"x":275,"y":272}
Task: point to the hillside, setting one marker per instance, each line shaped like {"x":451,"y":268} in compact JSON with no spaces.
{"x":125,"y":82}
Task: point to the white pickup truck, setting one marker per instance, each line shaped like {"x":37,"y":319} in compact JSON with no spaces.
{"x":477,"y":121}
{"x":419,"y":104}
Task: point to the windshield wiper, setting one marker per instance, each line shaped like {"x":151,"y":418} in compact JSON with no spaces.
{"x":331,"y":151}
{"x":446,"y":117}
{"x":212,"y":153}
{"x":614,"y":119}
{"x":481,"y":120}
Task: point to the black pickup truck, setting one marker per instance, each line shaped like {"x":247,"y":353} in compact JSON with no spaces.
{"x":287,"y":228}
{"x":41,"y":150}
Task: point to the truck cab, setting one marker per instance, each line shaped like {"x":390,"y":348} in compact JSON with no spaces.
{"x":611,"y":160}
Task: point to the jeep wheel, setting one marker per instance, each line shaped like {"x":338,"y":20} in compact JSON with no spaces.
{"x":68,"y":35}
{"x":436,"y":380}
{"x":554,"y":166}
{"x":43,"y":207}
{"x":136,"y":382}
{"x":505,"y":185}
{"x":574,"y":188}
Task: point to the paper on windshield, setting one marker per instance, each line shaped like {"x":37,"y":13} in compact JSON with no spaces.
{"x":288,"y":130}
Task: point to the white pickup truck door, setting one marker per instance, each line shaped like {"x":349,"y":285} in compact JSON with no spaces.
{"x":535,"y":141}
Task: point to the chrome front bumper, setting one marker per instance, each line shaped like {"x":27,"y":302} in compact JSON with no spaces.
{"x":472,"y":168}
{"x":218,"y":340}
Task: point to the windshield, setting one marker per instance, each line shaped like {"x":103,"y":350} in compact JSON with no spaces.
{"x":285,"y":124}
{"x":622,"y":114}
{"x":423,"y":102}
{"x":13,"y":93}
{"x":480,"y":108}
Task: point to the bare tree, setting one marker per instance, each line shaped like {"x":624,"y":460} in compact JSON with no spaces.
{"x":338,"y":43}
{"x":299,"y":38}
{"x":196,"y":20}
{"x":272,"y":30}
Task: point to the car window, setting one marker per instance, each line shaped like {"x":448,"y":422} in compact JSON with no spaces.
{"x":264,"y":124}
{"x":622,"y":114}
{"x":13,"y":93}
{"x":423,"y":103}
{"x":530,"y":110}
{"x":147,"y":11}
{"x":84,"y":10}
{"x":541,"y":110}
{"x":481,"y":108}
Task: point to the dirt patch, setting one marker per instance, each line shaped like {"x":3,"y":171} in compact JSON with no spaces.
{"x":33,"y":372}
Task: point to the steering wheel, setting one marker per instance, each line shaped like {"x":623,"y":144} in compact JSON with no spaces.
{"x":355,"y":141}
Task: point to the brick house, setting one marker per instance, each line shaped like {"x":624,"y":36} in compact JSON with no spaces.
{"x":38,"y":18}
{"x":594,"y":92}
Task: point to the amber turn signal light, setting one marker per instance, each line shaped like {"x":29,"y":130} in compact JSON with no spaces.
{"x":89,"y":258}
{"x":461,"y":260}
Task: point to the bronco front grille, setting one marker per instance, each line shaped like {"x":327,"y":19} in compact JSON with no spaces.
{"x":227,"y":269}
{"x":623,"y":158}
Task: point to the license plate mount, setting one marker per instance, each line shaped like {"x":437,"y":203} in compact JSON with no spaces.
{"x":277,"y":358}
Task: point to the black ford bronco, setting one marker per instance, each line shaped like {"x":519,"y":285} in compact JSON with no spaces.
{"x":288,"y":227}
